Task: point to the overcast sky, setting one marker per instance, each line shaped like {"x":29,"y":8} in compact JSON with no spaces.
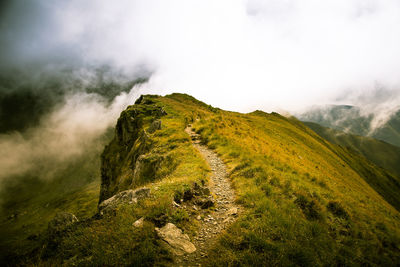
{"x":233,"y":54}
{"x":238,"y":55}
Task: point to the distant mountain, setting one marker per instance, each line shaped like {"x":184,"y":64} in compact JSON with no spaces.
{"x":379,"y":152}
{"x":350,"y":120}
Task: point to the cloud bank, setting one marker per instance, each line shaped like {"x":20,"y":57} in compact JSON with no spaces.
{"x":69,"y":132}
{"x":239,"y":55}
{"x":235,"y":54}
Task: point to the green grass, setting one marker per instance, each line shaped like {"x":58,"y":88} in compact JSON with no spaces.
{"x":113,"y":240}
{"x":306,"y":201}
{"x":380,"y":153}
{"x":296,"y":188}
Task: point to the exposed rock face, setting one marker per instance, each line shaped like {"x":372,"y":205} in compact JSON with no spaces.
{"x":61,"y":221}
{"x":127,"y":196}
{"x":178,"y":242}
{"x":128,"y":159}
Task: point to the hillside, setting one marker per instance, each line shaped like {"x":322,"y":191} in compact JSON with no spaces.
{"x":350,"y":120}
{"x":381,"y":153}
{"x":29,"y":201}
{"x":302,"y":200}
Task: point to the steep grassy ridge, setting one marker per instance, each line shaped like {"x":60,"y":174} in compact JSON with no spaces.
{"x":176,"y":165}
{"x":381,"y":153}
{"x":378,"y":152}
{"x":306,"y":201}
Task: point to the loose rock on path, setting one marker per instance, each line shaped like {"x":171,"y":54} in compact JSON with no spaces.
{"x":226,"y":211}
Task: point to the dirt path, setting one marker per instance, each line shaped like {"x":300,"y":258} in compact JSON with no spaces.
{"x":226,"y":211}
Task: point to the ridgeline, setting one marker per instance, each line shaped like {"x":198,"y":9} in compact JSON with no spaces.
{"x":288,"y":197}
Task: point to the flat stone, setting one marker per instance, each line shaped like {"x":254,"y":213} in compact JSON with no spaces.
{"x":178,"y":242}
{"x":175,"y":204}
{"x":139,"y":223}
{"x":128,"y":196}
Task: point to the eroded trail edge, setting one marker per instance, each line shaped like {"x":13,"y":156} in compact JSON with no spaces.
{"x":225,"y":212}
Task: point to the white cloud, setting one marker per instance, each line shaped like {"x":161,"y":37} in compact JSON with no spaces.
{"x":72,"y":129}
{"x":237,"y":54}
{"x":234,"y":54}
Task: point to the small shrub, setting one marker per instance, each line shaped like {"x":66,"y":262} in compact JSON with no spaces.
{"x":310,"y":208}
{"x":212,"y":146}
{"x":301,"y":256}
{"x":322,"y":184}
{"x":234,"y":154}
{"x":266,"y":188}
{"x":248,"y":173}
{"x":337,"y":209}
{"x":275,"y":181}
{"x":240,"y":167}
{"x":179,"y":216}
{"x":381,"y":226}
{"x":178,"y":195}
{"x":287,"y":187}
{"x":200,"y":130}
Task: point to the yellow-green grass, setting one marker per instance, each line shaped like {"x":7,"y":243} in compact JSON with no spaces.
{"x":112,"y":240}
{"x":292,"y":184}
{"x":22,"y":235}
{"x":305,"y":200}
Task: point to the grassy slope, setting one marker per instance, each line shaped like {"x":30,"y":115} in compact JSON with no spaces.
{"x":113,"y":240}
{"x":305,"y":202}
{"x":378,"y":152}
{"x":30,"y":203}
{"x":381,"y":153}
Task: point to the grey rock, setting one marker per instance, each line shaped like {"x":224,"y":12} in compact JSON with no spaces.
{"x":128,"y":196}
{"x":139,"y":223}
{"x":177,"y":242}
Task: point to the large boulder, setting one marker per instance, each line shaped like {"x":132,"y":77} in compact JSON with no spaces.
{"x":177,"y":242}
{"x":128,"y":196}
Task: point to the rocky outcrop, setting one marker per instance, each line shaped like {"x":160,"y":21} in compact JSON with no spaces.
{"x":127,"y":196}
{"x":177,"y":242}
{"x":60,"y":222}
{"x":198,"y":195}
{"x":128,"y":159}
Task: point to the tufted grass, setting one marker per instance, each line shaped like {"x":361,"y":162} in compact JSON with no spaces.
{"x":306,"y":201}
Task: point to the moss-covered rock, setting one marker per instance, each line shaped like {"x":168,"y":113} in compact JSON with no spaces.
{"x":128,"y":160}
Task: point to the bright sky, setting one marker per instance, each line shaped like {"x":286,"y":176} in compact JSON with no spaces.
{"x":234,"y":54}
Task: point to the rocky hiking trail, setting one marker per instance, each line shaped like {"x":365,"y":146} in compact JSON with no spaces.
{"x":226,"y":210}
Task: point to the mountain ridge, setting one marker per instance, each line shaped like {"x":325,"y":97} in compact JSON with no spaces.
{"x":349,"y":119}
{"x":305,"y":200}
